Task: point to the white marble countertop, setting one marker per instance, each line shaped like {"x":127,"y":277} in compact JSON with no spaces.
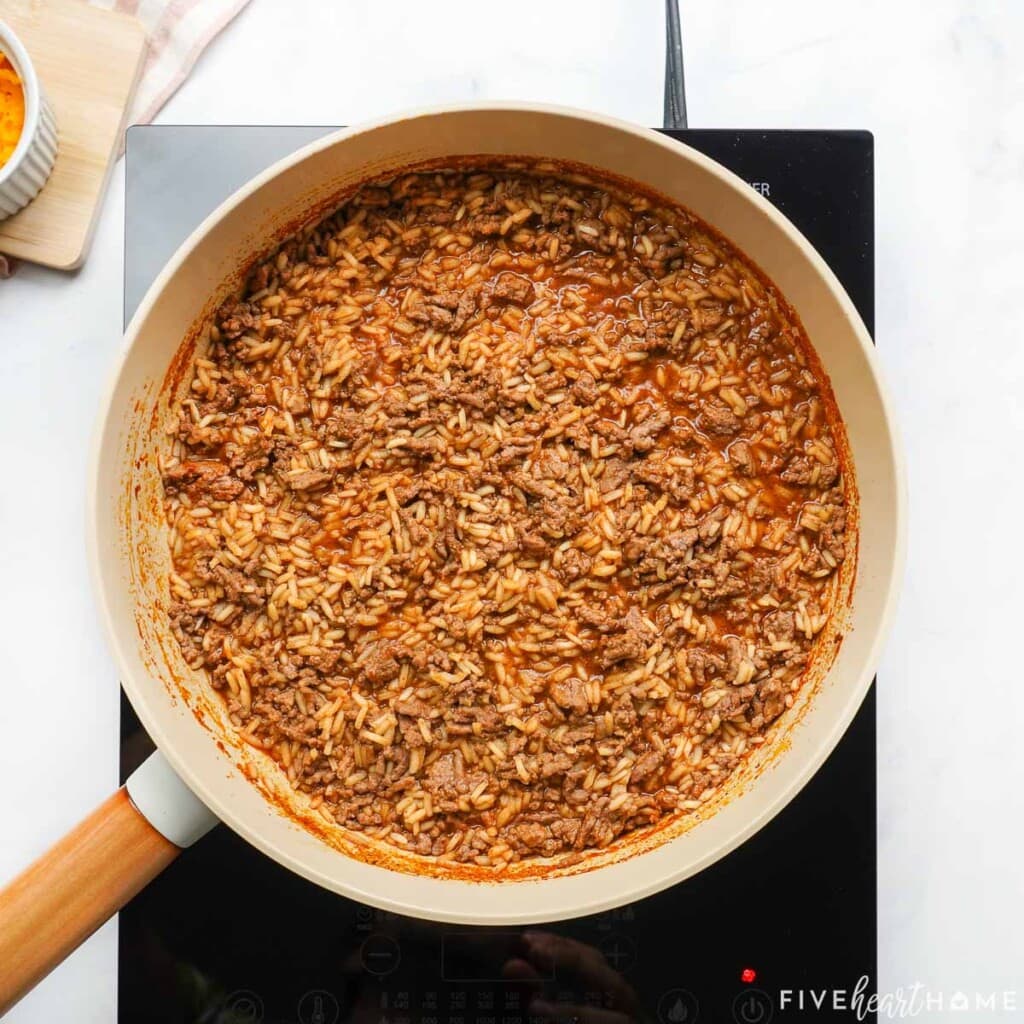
{"x":941,"y":87}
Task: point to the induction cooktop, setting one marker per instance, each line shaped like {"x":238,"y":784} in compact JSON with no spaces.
{"x":227,"y":936}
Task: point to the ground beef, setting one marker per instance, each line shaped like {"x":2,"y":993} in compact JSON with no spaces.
{"x":717,"y":420}
{"x":779,"y":626}
{"x":444,"y":778}
{"x":616,"y":473}
{"x":551,"y":764}
{"x":201,"y":478}
{"x":571,"y":695}
{"x":234,"y":318}
{"x":643,"y":436}
{"x":513,"y":288}
{"x":381,"y":664}
{"x":646,"y":764}
{"x":741,"y":457}
{"x":678,"y":482}
{"x":704,"y":666}
{"x":573,"y":564}
{"x":241,"y":587}
{"x":496,"y":521}
{"x":585,"y":389}
{"x":532,"y":836}
{"x":622,"y":647}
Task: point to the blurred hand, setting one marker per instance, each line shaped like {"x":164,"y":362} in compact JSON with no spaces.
{"x":576,"y":965}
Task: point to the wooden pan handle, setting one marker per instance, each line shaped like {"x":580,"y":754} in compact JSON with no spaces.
{"x":56,"y":904}
{"x":82,"y":881}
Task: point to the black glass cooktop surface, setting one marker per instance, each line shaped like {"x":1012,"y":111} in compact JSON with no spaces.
{"x":226,"y":935}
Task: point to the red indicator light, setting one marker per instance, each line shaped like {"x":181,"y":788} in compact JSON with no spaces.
{"x":748,"y":976}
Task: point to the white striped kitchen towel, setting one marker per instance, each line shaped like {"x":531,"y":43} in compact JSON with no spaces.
{"x":178,"y":31}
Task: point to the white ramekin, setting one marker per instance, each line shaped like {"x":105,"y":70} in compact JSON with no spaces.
{"x":30,"y":164}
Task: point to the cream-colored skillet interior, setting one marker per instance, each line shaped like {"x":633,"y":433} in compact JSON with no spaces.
{"x":129,"y":550}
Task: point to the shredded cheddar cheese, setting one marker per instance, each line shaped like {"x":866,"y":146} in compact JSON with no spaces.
{"x":12,"y":109}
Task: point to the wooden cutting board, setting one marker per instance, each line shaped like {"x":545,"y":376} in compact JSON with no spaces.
{"x":88,"y":61}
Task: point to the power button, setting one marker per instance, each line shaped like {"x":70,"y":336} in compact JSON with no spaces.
{"x":752,"y":1006}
